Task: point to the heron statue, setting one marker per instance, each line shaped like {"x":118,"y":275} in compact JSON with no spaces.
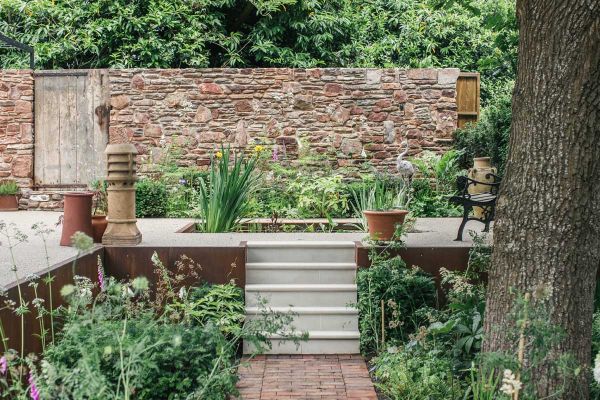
{"x":404,"y":167}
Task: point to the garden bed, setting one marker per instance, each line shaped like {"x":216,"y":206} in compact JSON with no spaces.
{"x":268,"y":225}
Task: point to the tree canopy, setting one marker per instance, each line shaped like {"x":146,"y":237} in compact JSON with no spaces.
{"x":474,"y":35}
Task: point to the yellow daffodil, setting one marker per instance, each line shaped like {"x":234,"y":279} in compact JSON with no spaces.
{"x":219,"y":155}
{"x":258,"y":148}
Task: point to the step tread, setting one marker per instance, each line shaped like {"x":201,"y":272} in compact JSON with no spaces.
{"x":301,"y":287}
{"x":329,"y":335}
{"x":306,"y":310}
{"x":300,"y":265}
{"x":300,"y":243}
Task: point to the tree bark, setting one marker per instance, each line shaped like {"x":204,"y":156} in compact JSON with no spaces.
{"x":548,"y":215}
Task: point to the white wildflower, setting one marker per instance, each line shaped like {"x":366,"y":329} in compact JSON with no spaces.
{"x":510,"y":384}
{"x":597,"y":368}
{"x":182,"y":293}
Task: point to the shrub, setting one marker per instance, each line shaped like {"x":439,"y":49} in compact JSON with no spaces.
{"x":490,"y":136}
{"x":320,"y":197}
{"x":403,"y":291}
{"x":416,"y":375}
{"x":183,"y":187}
{"x":224,"y":200}
{"x":150,"y":199}
{"x":8,"y":188}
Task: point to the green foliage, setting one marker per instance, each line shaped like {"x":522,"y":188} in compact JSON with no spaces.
{"x":319,"y":197}
{"x":534,"y":336}
{"x":470,"y":35}
{"x":183,"y":188}
{"x":221,"y":305}
{"x":436,"y":183}
{"x":150,"y":199}
{"x":403,"y":291}
{"x":224,"y":199}
{"x":381,"y":194}
{"x":416,"y":375}
{"x":109,"y":33}
{"x":8,"y":188}
{"x":490,"y":136}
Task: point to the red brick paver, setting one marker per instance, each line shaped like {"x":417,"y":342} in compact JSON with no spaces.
{"x":332,"y":377}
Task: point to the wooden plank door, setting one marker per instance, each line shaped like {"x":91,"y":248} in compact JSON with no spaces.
{"x":467,"y":98}
{"x":71,"y":127}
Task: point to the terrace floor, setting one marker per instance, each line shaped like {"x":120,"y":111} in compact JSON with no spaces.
{"x":30,"y":257}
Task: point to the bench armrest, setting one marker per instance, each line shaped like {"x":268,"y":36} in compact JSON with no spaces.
{"x":463,"y":183}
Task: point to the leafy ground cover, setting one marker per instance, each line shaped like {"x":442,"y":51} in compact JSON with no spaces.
{"x":425,"y":348}
{"x":283,"y":189}
{"x":130,"y":340}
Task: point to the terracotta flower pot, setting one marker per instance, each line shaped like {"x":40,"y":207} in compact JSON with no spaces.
{"x":78,"y":216}
{"x":99,"y":224}
{"x":382,"y":224}
{"x":9,"y":202}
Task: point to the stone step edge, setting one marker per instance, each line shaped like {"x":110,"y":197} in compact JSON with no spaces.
{"x":299,"y":287}
{"x":319,"y":335}
{"x":305,"y":310}
{"x":300,"y":265}
{"x":300,"y":243}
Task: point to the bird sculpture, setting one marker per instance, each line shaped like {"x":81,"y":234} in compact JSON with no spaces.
{"x":404,"y":167}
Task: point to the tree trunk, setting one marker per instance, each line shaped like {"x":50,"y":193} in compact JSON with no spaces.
{"x":548,"y":215}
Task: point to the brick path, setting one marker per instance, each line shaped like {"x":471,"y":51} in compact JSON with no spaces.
{"x":332,"y":377}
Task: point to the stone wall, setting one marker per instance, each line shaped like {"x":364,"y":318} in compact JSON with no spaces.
{"x":349,"y":115}
{"x":16,"y":126}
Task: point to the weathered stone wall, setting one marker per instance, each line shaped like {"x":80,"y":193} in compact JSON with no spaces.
{"x":16,"y":126}
{"x":350,"y":115}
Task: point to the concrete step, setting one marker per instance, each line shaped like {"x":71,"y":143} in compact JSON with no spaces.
{"x":316,"y":318}
{"x":301,"y":295}
{"x":319,"y":342}
{"x":301,"y":251}
{"x":286,"y":273}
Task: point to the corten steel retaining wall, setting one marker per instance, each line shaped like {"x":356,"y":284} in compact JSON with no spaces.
{"x":218,"y":265}
{"x":63,"y":273}
{"x":348,"y":115}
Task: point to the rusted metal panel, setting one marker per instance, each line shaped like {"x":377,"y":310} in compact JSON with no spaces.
{"x":218,"y":264}
{"x":63,"y":275}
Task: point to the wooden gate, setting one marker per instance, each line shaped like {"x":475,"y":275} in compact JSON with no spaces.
{"x":467,"y":98}
{"x":71,"y":127}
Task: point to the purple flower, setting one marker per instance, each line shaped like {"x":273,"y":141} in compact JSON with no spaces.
{"x":101,"y":276}
{"x":3,"y":365}
{"x":182,"y":181}
{"x":34,"y":393}
{"x":275,"y":154}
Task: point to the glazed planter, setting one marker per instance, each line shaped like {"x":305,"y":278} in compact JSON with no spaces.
{"x":78,"y":216}
{"x":99,"y":224}
{"x":382,"y":224}
{"x":482,"y":166}
{"x":9,"y":202}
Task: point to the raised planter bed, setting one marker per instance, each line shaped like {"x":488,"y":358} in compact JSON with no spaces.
{"x":268,"y":225}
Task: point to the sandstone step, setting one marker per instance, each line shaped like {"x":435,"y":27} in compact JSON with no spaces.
{"x":300,"y":251}
{"x":319,"y":342}
{"x":301,"y":295}
{"x":288,"y":273}
{"x":315,"y":318}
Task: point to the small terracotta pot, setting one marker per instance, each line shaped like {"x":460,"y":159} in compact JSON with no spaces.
{"x":9,"y":202}
{"x":78,"y":216}
{"x":99,"y":224}
{"x":382,"y":224}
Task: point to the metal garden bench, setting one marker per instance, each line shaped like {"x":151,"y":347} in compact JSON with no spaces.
{"x":485,"y":200}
